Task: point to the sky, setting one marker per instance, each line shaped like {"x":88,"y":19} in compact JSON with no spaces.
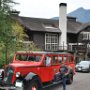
{"x":47,"y":8}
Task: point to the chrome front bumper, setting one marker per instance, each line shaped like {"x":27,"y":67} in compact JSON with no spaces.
{"x":18,"y":86}
{"x":7,"y":88}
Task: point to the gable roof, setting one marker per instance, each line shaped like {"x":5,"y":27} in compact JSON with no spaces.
{"x":83,"y":26}
{"x":73,"y":26}
{"x":37,"y":24}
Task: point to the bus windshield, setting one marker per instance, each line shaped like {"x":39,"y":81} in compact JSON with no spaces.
{"x":30,"y":57}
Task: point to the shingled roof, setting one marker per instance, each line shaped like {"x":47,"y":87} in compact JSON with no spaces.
{"x":73,"y":26}
{"x":37,"y":24}
{"x":83,"y":26}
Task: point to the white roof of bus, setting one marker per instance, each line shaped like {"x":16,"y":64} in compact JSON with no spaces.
{"x":42,"y":52}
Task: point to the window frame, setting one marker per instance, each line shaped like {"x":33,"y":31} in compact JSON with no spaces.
{"x":51,"y":41}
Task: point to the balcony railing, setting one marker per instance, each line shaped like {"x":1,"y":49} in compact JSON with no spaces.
{"x":70,"y":48}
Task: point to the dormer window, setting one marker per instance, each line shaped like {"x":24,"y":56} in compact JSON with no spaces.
{"x":48,"y":25}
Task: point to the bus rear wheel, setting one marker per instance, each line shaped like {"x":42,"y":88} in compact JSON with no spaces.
{"x":32,"y":85}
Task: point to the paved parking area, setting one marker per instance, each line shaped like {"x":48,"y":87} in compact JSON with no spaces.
{"x":81,"y":82}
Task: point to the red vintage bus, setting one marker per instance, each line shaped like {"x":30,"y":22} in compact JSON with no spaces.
{"x":36,"y":70}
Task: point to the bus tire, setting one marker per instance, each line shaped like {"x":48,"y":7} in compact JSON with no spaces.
{"x":32,"y":85}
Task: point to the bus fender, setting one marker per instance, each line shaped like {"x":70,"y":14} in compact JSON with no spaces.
{"x":30,"y":76}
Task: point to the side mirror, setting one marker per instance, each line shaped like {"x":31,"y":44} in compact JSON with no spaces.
{"x":48,"y":61}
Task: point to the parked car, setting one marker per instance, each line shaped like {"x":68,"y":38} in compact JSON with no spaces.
{"x":83,"y":66}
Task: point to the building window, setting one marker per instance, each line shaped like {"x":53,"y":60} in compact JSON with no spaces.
{"x":51,"y":41}
{"x":89,"y":36}
{"x":86,"y":35}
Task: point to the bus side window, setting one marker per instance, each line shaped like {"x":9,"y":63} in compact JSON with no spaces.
{"x":60,"y":59}
{"x":21,"y":57}
{"x":54,"y":59}
{"x":31,"y":58}
{"x":70,"y":59}
{"x":65,"y":59}
{"x":18,"y":57}
{"x":48,"y":61}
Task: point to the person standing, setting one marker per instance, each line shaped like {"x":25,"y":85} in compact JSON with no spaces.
{"x":64,"y":70}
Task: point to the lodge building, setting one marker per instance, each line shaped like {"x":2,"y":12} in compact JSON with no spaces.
{"x":63,"y":34}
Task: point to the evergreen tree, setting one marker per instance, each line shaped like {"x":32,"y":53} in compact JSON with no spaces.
{"x":11,"y":33}
{"x":5,"y":29}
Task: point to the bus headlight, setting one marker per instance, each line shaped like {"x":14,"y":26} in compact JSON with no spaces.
{"x":18,"y":74}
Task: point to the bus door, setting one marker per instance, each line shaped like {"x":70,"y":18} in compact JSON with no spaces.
{"x":46,"y":70}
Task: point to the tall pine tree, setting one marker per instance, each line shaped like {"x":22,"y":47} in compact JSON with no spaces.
{"x":5,"y":29}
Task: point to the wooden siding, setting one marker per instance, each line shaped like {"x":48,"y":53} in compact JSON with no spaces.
{"x":39,"y":39}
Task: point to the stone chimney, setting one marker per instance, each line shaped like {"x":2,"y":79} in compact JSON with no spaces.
{"x":63,"y":25}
